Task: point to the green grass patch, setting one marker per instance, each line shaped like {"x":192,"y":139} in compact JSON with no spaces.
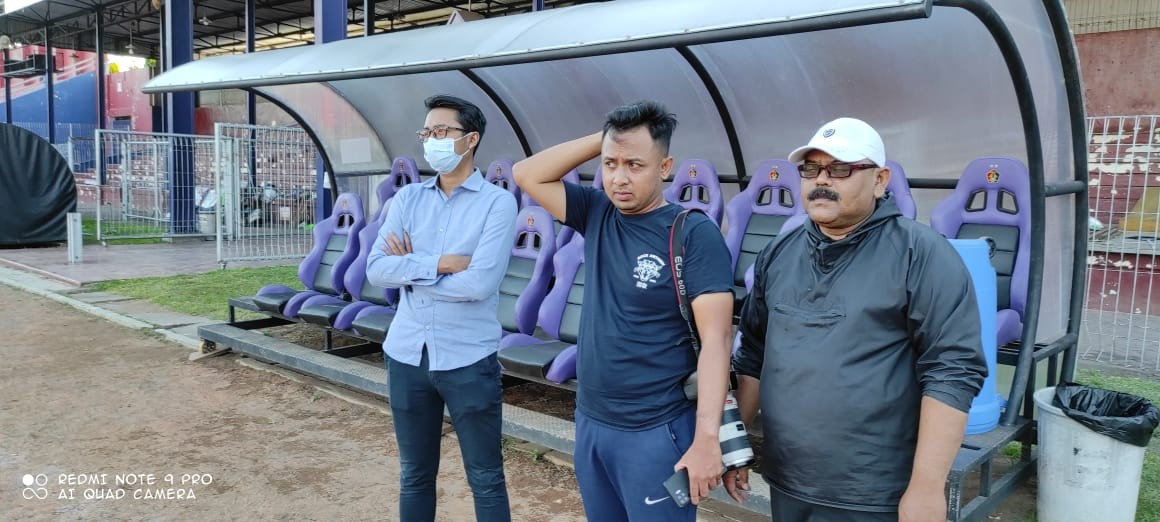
{"x":120,"y":228}
{"x":203,"y":295}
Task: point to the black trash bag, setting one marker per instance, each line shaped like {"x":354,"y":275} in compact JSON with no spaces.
{"x":1121,"y":416}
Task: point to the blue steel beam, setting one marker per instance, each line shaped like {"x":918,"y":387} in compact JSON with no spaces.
{"x":50,"y":83}
{"x":101,"y":94}
{"x":179,"y":32}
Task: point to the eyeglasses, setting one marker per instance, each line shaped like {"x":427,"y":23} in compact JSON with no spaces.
{"x":836,"y":170}
{"x":439,"y":131}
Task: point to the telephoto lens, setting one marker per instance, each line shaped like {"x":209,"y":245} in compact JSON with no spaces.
{"x":735,"y":449}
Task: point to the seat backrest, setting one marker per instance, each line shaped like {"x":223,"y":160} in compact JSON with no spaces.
{"x":993,"y":198}
{"x":573,"y":176}
{"x":525,"y":284}
{"x":900,"y":189}
{"x":756,"y":214}
{"x":356,"y":280}
{"x":560,"y":311}
{"x":695,"y":185}
{"x":404,"y":171}
{"x":336,"y":245}
{"x":499,"y":173}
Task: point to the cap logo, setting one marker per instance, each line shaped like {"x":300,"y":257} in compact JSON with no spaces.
{"x":499,"y":170}
{"x":992,"y":175}
{"x":531,"y":221}
{"x":693,"y":172}
{"x":773,"y":174}
{"x":827,"y":133}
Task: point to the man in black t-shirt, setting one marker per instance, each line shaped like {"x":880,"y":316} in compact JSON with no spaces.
{"x":634,"y":427}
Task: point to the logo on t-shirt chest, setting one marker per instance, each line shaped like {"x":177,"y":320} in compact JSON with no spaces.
{"x":648,"y":269}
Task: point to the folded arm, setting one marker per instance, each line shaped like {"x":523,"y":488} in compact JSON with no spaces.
{"x":488,"y":263}
{"x":394,"y":271}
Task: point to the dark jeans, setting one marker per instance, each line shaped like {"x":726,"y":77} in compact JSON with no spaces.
{"x":474,"y":397}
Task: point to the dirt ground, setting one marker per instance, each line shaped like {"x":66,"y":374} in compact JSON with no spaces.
{"x":83,"y":401}
{"x":93,"y":415}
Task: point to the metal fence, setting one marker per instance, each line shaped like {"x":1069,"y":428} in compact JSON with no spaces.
{"x":1123,"y":291}
{"x":262,"y":204}
{"x":64,"y":131}
{"x":149,"y":184}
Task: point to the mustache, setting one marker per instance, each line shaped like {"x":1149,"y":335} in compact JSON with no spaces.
{"x":823,"y":192}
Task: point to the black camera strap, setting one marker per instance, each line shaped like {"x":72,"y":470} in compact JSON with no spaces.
{"x":677,"y":264}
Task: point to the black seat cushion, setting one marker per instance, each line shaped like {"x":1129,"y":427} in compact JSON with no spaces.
{"x":373,"y":327}
{"x":273,"y":302}
{"x":321,"y":314}
{"x":531,"y":360}
{"x":245,"y":303}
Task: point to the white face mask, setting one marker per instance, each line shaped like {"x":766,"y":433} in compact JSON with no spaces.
{"x":440,"y":154}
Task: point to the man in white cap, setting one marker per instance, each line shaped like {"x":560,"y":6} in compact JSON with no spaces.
{"x":860,"y":345}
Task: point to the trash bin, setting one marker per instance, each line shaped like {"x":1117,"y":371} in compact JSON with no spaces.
{"x":207,"y":223}
{"x":1091,"y":452}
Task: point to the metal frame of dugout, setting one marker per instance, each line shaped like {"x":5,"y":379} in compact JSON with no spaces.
{"x":964,"y":85}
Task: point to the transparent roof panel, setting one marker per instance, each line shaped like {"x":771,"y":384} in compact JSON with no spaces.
{"x":562,"y":100}
{"x":349,"y":141}
{"x":394,"y":108}
{"x":609,"y":26}
{"x":934,"y":118}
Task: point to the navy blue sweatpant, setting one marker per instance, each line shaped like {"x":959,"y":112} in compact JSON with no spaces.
{"x":621,"y":473}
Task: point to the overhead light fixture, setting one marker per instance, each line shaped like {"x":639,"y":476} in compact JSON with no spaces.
{"x":205,"y":20}
{"x":5,"y":41}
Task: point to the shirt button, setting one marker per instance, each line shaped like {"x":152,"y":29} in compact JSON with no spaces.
{"x":428,"y":327}
{"x":441,"y":230}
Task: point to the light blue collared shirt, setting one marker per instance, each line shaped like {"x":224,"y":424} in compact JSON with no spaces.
{"x":454,"y":315}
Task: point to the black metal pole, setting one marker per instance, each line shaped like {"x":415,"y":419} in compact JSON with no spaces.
{"x":1026,"y":99}
{"x":251,"y":101}
{"x":7,"y":93}
{"x":722,"y":111}
{"x":368,"y":17}
{"x":1072,"y":83}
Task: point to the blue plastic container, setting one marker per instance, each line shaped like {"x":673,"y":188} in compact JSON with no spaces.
{"x":984,"y":414}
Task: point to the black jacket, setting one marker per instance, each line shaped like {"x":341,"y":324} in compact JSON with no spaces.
{"x":846,"y":337}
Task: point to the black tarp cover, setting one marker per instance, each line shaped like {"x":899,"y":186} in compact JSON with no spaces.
{"x":37,"y":190}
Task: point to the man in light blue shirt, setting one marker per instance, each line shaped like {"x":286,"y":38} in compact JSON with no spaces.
{"x":446,"y":242}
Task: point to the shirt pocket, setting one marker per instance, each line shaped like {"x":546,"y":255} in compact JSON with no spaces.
{"x":799,"y":328}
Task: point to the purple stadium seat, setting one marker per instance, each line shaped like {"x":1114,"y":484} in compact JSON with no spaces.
{"x":404,"y":171}
{"x":756,"y":215}
{"x":336,"y":245}
{"x":992,"y":199}
{"x":900,"y":189}
{"x":529,"y":271}
{"x":499,"y":173}
{"x":552,"y":360}
{"x":332,"y":311}
{"x":695,"y":185}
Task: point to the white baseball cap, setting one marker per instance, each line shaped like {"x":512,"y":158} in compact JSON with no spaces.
{"x":846,"y":139}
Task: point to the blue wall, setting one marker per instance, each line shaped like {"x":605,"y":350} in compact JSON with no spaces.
{"x":76,"y":102}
